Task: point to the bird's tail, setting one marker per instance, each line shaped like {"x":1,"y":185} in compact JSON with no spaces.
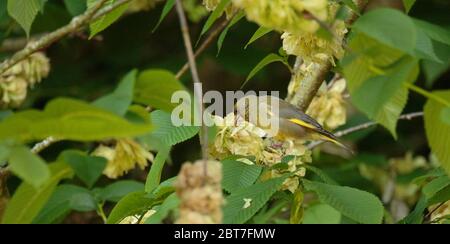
{"x":328,"y":136}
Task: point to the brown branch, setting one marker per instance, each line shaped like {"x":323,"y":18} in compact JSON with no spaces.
{"x":195,"y":77}
{"x":206,"y":43}
{"x":34,"y":46}
{"x":303,"y":96}
{"x":364,"y":126}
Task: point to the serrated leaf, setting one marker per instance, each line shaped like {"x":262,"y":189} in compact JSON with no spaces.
{"x":259,"y":193}
{"x":64,"y":199}
{"x":24,"y":12}
{"x":115,"y":191}
{"x":216,"y":14}
{"x":120,"y":99}
{"x":28,"y":166}
{"x":155,"y":87}
{"x":154,"y":176}
{"x":437,"y":131}
{"x":27,"y":201}
{"x":75,"y":7}
{"x":170,"y":203}
{"x":224,"y":33}
{"x":370,"y":59}
{"x":167,"y":7}
{"x":260,"y":32}
{"x":237,"y":175}
{"x":106,"y":20}
{"x":169,"y":134}
{"x":271,"y":58}
{"x":322,"y":175}
{"x":87,"y":168}
{"x":355,"y":204}
{"x":390,"y":27}
{"x":408,"y":4}
{"x":131,"y":204}
{"x":70,"y":119}
{"x":321,"y":214}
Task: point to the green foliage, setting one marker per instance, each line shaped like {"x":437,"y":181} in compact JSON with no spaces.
{"x":169,"y":134}
{"x":29,"y":167}
{"x":87,"y":168}
{"x":297,"y":208}
{"x":154,"y":176}
{"x":355,"y":204}
{"x":28,"y":201}
{"x":106,"y":20}
{"x":438,"y":131}
{"x":224,"y":33}
{"x":321,"y":214}
{"x":220,"y":9}
{"x":260,"y":32}
{"x":408,"y":4}
{"x":75,"y":7}
{"x":70,"y":119}
{"x":24,"y":12}
{"x":155,"y":87}
{"x":162,"y":211}
{"x":121,"y":98}
{"x":131,"y":204}
{"x":167,"y":7}
{"x":237,"y":175}
{"x":64,"y":199}
{"x":259,"y":193}
{"x":271,"y":58}
{"x":115,"y":191}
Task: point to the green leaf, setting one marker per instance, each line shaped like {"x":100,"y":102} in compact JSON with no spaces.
{"x":322,"y":175}
{"x":87,"y":168}
{"x":372,"y":96}
{"x":408,"y":4}
{"x":64,"y":199}
{"x":66,"y":118}
{"x":445,"y":115}
{"x":5,"y":151}
{"x":28,"y":201}
{"x":167,"y":7}
{"x":154,"y":176}
{"x":106,"y":20}
{"x":131,"y":204}
{"x":170,"y":203}
{"x":29,"y":167}
{"x":297,"y":210}
{"x":3,"y":10}
{"x":24,"y":12}
{"x":390,"y":27}
{"x":436,"y":185}
{"x":437,"y":131}
{"x":121,"y":98}
{"x":260,"y":32}
{"x":321,"y":214}
{"x":224,"y":33}
{"x":218,"y":11}
{"x":238,"y":175}
{"x":169,"y":134}
{"x":271,"y":58}
{"x":370,"y":59}
{"x":155,"y":88}
{"x":416,"y":216}
{"x":355,"y":204}
{"x":259,"y":193}
{"x":117,"y":190}
{"x":425,"y":48}
{"x":435,"y":32}
{"x":75,"y":7}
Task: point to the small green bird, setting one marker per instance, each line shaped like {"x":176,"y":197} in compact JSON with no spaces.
{"x":292,"y":123}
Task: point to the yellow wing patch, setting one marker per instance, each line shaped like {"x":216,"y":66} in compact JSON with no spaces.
{"x":302,"y":123}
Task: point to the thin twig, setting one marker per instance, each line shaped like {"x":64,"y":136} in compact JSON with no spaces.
{"x":196,"y":79}
{"x":206,"y":43}
{"x":43,"y":42}
{"x":364,"y":126}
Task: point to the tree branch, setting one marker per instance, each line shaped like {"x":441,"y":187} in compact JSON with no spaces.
{"x":34,"y":46}
{"x":364,"y":126}
{"x":310,"y":84}
{"x":195,"y":77}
